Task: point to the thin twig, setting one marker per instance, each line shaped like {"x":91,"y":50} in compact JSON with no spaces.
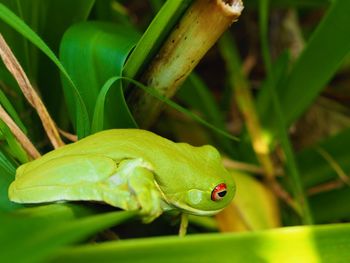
{"x":67,"y":135}
{"x":20,"y":136}
{"x":326,"y":187}
{"x":245,"y":103}
{"x":247,"y":167}
{"x":333,"y":163}
{"x":29,"y":92}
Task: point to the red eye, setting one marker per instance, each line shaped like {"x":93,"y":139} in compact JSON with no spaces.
{"x":219,"y":192}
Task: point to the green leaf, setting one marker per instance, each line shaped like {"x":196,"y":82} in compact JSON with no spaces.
{"x":315,"y":168}
{"x":93,"y":52}
{"x":82,"y":123}
{"x":316,"y":65}
{"x":196,"y":94}
{"x":154,"y":36}
{"x":46,"y":229}
{"x":15,"y":147}
{"x":112,"y":11}
{"x":294,"y":175}
{"x":11,"y":111}
{"x":329,"y":243}
{"x":331,"y":206}
{"x":7,"y":175}
{"x":153,"y":92}
{"x":122,"y":113}
{"x":43,"y":16}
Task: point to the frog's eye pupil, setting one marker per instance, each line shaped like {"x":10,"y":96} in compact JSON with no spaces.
{"x":222,"y":194}
{"x":219,"y":192}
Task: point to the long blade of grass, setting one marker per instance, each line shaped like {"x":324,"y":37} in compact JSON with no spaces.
{"x":15,"y":147}
{"x":197,"y":95}
{"x":93,"y":52}
{"x":264,"y":39}
{"x":7,"y":175}
{"x":327,"y":243}
{"x":315,"y":168}
{"x":155,"y":34}
{"x":246,"y":104}
{"x":51,"y":229}
{"x":331,"y":206}
{"x":121,"y":112}
{"x":181,"y":109}
{"x":11,"y":111}
{"x":316,"y":65}
{"x":291,"y":164}
{"x":82,"y":123}
{"x":31,"y":95}
{"x":18,"y":133}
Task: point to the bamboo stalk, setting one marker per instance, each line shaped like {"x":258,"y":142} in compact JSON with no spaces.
{"x":198,"y":30}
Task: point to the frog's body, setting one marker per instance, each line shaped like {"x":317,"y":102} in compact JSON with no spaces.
{"x":130,"y":169}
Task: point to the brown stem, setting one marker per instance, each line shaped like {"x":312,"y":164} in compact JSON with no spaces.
{"x":20,"y":136}
{"x":198,"y":30}
{"x":29,"y":92}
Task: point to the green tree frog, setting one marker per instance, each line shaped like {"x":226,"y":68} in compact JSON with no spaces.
{"x":130,"y":169}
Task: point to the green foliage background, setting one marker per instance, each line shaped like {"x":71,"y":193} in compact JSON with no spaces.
{"x":76,"y":52}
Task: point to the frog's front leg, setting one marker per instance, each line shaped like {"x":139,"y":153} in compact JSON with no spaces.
{"x":133,"y":187}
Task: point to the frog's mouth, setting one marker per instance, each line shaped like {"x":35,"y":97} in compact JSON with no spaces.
{"x":182,"y":206}
{"x":194,"y":211}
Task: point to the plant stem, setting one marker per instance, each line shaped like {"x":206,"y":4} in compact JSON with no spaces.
{"x":19,"y":135}
{"x":198,"y":30}
{"x":183,"y":225}
{"x":246,"y":105}
{"x":29,"y":92}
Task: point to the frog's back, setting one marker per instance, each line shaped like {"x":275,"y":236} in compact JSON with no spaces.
{"x":116,"y":144}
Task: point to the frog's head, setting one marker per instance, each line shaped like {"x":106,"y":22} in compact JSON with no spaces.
{"x":209,"y":201}
{"x":209,"y":187}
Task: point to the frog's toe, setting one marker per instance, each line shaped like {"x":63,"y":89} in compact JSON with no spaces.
{"x":150,"y":207}
{"x":150,"y":215}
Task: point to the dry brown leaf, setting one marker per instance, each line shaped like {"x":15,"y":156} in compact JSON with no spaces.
{"x":69,"y":136}
{"x":20,"y":136}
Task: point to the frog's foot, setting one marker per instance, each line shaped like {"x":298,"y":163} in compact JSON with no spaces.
{"x":133,"y":187}
{"x":142,"y":184}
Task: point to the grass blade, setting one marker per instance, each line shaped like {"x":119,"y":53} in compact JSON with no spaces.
{"x":329,"y":243}
{"x":122,"y":113}
{"x":316,"y":65}
{"x":181,"y":109}
{"x":82,"y":123}
{"x":42,"y":235}
{"x":154,"y":36}
{"x":93,"y":52}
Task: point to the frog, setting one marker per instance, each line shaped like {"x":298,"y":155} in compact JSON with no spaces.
{"x":130,"y":169}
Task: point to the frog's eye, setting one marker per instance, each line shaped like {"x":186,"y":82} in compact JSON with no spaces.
{"x":219,"y":192}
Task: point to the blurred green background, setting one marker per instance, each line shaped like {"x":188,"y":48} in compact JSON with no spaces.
{"x":278,"y":80}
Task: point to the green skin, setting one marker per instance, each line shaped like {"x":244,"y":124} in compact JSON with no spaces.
{"x":130,"y":169}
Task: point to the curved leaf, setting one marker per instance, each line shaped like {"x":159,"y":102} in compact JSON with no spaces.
{"x":329,"y":243}
{"x":93,"y":52}
{"x":122,"y":113}
{"x":82,"y":123}
{"x":154,"y":36}
{"x":46,"y":230}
